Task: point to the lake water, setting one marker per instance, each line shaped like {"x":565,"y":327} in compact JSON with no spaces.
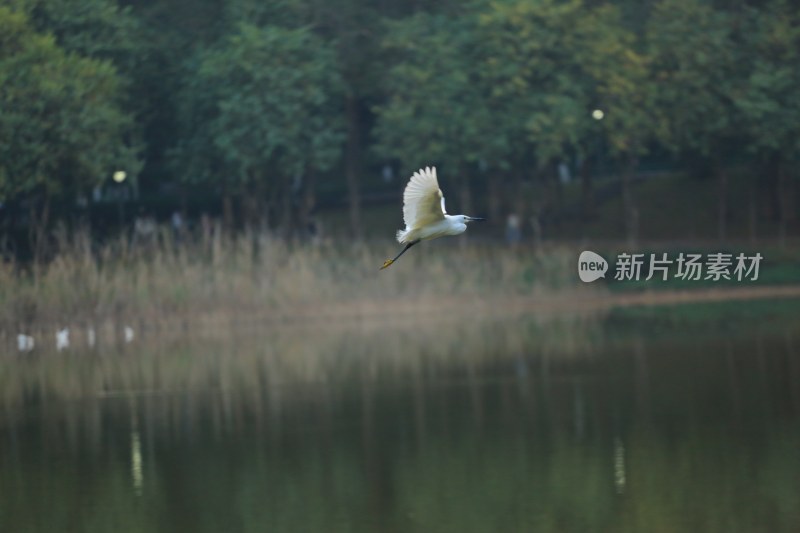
{"x":678,"y":419}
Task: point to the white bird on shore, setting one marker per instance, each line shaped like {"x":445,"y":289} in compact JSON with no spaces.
{"x":24,"y":343}
{"x":128,"y":333}
{"x":424,"y":213}
{"x":62,"y":339}
{"x":91,"y":336}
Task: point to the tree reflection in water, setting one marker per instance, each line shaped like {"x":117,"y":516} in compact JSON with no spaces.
{"x":558,"y":424}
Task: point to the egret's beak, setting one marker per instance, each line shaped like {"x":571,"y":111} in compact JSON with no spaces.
{"x":475,"y":219}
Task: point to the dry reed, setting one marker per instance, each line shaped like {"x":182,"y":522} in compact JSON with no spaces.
{"x":256,"y":275}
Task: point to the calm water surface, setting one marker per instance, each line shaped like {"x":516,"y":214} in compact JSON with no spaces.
{"x":685,"y":419}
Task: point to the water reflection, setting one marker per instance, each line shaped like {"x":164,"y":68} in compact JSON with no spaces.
{"x":137,"y":476}
{"x":619,"y":465}
{"x":553,"y":424}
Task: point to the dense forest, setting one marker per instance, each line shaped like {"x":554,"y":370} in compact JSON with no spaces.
{"x":261,"y":111}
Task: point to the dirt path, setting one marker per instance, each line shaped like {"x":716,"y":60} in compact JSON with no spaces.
{"x":704,"y":295}
{"x":578,"y":300}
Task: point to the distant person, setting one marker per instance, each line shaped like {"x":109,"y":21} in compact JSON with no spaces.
{"x":144,"y":230}
{"x":513,"y":229}
{"x":176,"y":220}
{"x":314,"y":231}
{"x":564,"y":175}
{"x":388,"y":173}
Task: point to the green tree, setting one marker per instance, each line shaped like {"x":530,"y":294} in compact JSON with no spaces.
{"x":348,"y":26}
{"x":696,"y":69}
{"x":169,"y":35}
{"x":624,"y":95}
{"x":100,"y":29}
{"x":268,"y":114}
{"x":769,"y":101}
{"x":63,"y":128}
{"x":513,"y":83}
{"x":530,"y":65}
{"x":548,"y":65}
{"x":435,"y":108}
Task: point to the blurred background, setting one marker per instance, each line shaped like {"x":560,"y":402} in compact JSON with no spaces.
{"x":584,"y":119}
{"x":174,"y":137}
{"x":195,"y":199}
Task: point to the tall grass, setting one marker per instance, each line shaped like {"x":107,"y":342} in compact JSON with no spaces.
{"x":258,"y":275}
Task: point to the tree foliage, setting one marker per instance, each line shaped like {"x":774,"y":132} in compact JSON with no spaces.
{"x":693,"y":61}
{"x":62,"y":127}
{"x":92,"y":28}
{"x":435,"y":110}
{"x":249,"y":95}
{"x":769,"y":98}
{"x":507,"y":80}
{"x":269,"y":105}
{"x":538,"y":64}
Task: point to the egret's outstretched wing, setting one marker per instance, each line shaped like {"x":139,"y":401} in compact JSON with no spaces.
{"x":423,"y":202}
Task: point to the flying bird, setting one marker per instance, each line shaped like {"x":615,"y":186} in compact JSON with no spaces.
{"x":424,"y":213}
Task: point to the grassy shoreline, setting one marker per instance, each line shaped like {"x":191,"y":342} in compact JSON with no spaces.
{"x":260,"y":276}
{"x":258,"y":280}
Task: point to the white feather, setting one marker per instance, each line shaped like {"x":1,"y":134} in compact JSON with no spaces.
{"x":424,"y":213}
{"x":423,"y":203}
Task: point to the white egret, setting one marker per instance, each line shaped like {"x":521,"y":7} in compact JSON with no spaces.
{"x":24,"y":343}
{"x":62,"y":339}
{"x":424,"y":213}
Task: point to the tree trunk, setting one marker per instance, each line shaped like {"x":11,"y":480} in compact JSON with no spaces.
{"x":493,"y":193}
{"x":753,"y":214}
{"x":308,"y":202}
{"x":768,"y":188}
{"x":38,"y":229}
{"x":518,"y":202}
{"x":722,"y":201}
{"x":250,"y":209}
{"x":558,"y":194}
{"x":630,"y":212}
{"x":530,"y":210}
{"x":353,"y":165}
{"x":784,"y":205}
{"x":287,"y":222}
{"x":227,"y":210}
{"x":587,"y":189}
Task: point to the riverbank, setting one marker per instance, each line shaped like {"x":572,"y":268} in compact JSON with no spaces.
{"x":255,"y":280}
{"x":236,"y":278}
{"x":576,"y":303}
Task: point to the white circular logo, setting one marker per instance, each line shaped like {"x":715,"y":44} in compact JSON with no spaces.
{"x":591,"y":266}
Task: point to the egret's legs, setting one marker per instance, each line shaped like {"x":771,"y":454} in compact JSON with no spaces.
{"x":390,"y":261}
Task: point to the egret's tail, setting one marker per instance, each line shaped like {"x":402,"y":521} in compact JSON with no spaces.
{"x":401,"y":235}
